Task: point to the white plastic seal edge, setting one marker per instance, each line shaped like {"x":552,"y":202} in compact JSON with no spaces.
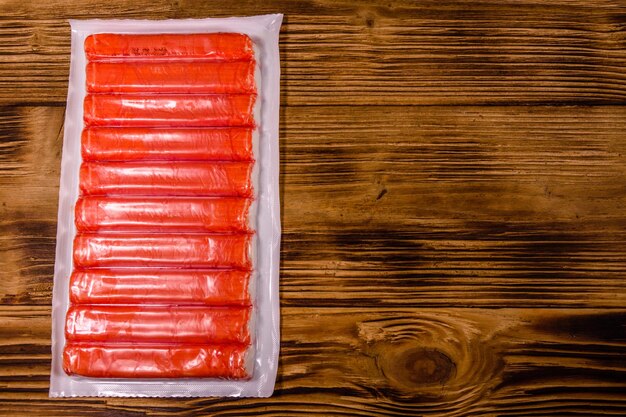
{"x":264,"y":31}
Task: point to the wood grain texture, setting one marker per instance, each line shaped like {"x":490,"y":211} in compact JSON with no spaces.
{"x":500,"y":202}
{"x":453,"y":191}
{"x":343,"y":361}
{"x":392,"y":52}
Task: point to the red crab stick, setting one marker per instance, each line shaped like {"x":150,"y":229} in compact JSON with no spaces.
{"x":179,"y":251}
{"x":132,"y":286}
{"x":115,"y":361}
{"x":137,"y":143}
{"x":157,"y":324}
{"x":216,"y":46}
{"x":167,"y":178}
{"x":169,"y":110}
{"x":221,"y":215}
{"x":171,"y":77}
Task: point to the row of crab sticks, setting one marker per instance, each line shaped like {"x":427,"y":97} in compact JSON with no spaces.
{"x":163,"y":252}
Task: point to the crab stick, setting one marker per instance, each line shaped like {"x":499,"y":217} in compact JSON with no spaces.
{"x":150,"y":286}
{"x":167,"y":361}
{"x":157,"y":324}
{"x":162,"y":250}
{"x":169,"y":110}
{"x":171,"y":77}
{"x":141,"y":143}
{"x":167,"y":178}
{"x":157,"y":214}
{"x":221,"y":46}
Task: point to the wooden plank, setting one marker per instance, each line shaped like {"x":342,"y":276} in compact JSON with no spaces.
{"x":470,"y":206}
{"x":347,"y":361}
{"x":399,"y":52}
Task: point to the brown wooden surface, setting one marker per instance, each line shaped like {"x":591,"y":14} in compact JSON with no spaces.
{"x":453,"y":206}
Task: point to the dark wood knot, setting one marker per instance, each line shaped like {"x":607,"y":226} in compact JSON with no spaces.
{"x":426,"y":366}
{"x":418,"y":366}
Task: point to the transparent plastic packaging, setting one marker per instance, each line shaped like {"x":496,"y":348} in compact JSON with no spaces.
{"x":158,"y":324}
{"x":164,"y":40}
{"x":166,"y":272}
{"x":166,"y":178}
{"x":107,"y":250}
{"x":135,"y":109}
{"x":236,"y":77}
{"x":157,"y":361}
{"x":162,"y":214}
{"x":143,"y":143}
{"x":161,"y":286}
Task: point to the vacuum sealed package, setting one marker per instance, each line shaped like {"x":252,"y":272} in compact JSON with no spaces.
{"x":166,"y":272}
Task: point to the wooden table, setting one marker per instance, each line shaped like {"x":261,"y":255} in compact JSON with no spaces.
{"x":453,"y":203}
